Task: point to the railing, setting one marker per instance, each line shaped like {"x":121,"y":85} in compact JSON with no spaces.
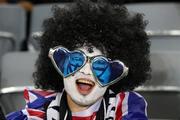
{"x":163,"y":32}
{"x":16,"y":89}
{"x":139,"y":89}
{"x":158,"y":89}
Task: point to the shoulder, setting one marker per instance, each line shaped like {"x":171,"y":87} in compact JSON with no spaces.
{"x":36,"y":103}
{"x":132,"y":106}
{"x":131,"y":98}
{"x":36,"y":98}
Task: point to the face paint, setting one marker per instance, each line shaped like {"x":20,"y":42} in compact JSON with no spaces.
{"x":82,"y":86}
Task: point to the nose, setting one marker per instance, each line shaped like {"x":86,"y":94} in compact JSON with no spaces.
{"x":86,"y":69}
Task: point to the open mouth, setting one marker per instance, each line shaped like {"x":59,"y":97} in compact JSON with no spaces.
{"x":84,"y":86}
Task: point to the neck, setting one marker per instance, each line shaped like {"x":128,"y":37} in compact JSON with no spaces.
{"x":74,"y":107}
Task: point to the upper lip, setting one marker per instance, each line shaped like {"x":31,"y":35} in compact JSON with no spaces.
{"x":85,"y":81}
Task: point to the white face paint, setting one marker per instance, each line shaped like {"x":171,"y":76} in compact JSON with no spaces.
{"x":82,"y":86}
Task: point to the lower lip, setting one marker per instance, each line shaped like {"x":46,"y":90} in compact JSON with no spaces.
{"x":84,"y":89}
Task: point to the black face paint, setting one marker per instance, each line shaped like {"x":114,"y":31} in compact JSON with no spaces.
{"x":90,"y":49}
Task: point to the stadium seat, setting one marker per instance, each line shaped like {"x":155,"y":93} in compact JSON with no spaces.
{"x":17,"y":69}
{"x":39,"y":14}
{"x":161,"y":16}
{"x":165,"y":43}
{"x":163,"y":23}
{"x":162,"y":92}
{"x":7,"y":44}
{"x":13,"y":21}
{"x":165,"y":68}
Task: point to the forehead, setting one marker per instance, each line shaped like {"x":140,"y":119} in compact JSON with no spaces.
{"x":90,"y":53}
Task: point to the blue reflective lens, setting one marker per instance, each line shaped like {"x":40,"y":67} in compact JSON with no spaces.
{"x":101,"y":70}
{"x":76,"y":61}
{"x":106,"y":71}
{"x":68,"y":62}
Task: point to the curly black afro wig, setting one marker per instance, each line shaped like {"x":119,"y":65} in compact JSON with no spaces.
{"x":109,"y":27}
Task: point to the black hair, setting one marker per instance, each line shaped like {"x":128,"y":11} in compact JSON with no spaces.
{"x":103,"y":25}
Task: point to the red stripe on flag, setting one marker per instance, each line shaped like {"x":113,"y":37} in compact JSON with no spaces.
{"x":84,"y":118}
{"x":36,"y":113}
{"x":26,"y":95}
{"x":119,"y":107}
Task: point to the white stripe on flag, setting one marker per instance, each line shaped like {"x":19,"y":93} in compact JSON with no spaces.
{"x":125,"y":104}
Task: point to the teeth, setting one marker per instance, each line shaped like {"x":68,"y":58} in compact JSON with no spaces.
{"x":86,"y":82}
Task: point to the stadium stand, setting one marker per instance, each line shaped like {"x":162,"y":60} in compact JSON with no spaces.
{"x":13,"y":21}
{"x":39,"y":14}
{"x":163,"y":23}
{"x":163,"y":91}
{"x":17,"y":69}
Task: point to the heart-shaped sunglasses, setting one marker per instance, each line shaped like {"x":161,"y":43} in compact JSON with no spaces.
{"x":105,"y":71}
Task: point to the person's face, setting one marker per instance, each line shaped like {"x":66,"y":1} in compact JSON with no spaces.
{"x":82,"y":86}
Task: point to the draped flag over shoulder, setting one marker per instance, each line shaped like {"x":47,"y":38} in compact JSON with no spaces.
{"x":123,"y":106}
{"x":36,"y":100}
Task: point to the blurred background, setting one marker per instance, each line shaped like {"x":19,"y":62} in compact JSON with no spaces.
{"x":21,"y":22}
